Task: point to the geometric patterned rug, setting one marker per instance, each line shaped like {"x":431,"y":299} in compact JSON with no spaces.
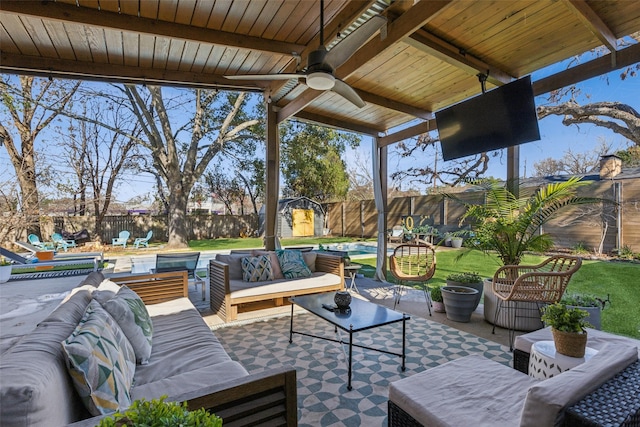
{"x":323,"y":398}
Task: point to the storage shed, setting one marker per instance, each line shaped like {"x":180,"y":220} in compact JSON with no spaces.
{"x":297,"y":217}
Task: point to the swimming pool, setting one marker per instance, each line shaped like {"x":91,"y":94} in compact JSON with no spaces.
{"x":357,"y":250}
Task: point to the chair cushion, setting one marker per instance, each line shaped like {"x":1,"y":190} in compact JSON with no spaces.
{"x":256,"y":269}
{"x":310,"y":260}
{"x":127,"y":308}
{"x":101,"y":362}
{"x":292,"y":264}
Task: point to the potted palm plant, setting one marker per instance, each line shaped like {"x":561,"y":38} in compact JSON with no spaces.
{"x":507,"y":225}
{"x":568,"y":326}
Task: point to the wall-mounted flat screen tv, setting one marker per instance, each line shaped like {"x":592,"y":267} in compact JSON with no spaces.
{"x":503,"y":117}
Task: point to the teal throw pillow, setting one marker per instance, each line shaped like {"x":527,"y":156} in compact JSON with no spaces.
{"x":101,"y":362}
{"x":256,"y":269}
{"x":292,"y":264}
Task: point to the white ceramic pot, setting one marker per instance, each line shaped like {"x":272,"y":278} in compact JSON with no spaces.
{"x":5,"y":273}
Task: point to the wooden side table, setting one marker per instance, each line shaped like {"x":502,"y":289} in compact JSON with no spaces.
{"x":352,"y":270}
{"x":545,"y":362}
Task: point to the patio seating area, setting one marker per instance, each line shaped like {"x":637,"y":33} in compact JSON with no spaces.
{"x":260,"y":339}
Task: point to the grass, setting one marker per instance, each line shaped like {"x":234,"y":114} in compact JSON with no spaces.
{"x":610,"y":280}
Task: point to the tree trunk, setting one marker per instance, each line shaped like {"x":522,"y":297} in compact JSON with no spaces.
{"x":176,"y":221}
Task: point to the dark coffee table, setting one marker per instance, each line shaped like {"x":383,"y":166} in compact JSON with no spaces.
{"x":362,"y":315}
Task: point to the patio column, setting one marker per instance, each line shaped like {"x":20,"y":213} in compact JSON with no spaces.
{"x":272,"y":177}
{"x":379,"y":164}
{"x":513,"y":170}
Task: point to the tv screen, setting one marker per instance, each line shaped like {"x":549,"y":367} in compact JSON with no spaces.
{"x":500,"y":118}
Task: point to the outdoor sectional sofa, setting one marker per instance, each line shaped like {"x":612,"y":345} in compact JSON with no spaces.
{"x":186,"y":362}
{"x":229,"y":291}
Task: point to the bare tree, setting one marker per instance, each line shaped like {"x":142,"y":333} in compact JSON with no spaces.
{"x":217,"y":119}
{"x":615,"y":116}
{"x":98,"y":155}
{"x":572,"y":163}
{"x":32,"y":104}
{"x":435,"y":174}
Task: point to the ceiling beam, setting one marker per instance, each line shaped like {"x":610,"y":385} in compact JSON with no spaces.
{"x":592,"y":21}
{"x":49,"y":10}
{"x":337,"y":123}
{"x":403,"y":26}
{"x":452,"y":55}
{"x":395,"y":105}
{"x":410,"y":132}
{"x":593,"y":68}
{"x":59,"y":68}
{"x":301,"y":101}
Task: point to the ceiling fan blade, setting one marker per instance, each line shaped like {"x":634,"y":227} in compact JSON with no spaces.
{"x":265,"y":76}
{"x":339,"y":54}
{"x":347,"y":92}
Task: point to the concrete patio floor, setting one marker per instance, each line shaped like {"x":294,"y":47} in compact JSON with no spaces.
{"x":24,"y":303}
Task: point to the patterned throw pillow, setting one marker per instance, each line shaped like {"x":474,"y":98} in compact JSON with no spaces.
{"x":132,"y":316}
{"x":100,"y":361}
{"x":292,"y":264}
{"x":256,"y":269}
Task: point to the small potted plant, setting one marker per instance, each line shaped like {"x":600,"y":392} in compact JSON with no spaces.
{"x":468,"y":279}
{"x":157,"y":412}
{"x":5,"y":269}
{"x":589,"y":303}
{"x":568,"y":326}
{"x":456,"y":242}
{"x":436,"y":299}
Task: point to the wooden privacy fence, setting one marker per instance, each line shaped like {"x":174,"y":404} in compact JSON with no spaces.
{"x":600,"y":228}
{"x":198,"y":226}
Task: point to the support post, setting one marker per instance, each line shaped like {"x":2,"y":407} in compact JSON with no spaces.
{"x":513,"y":170}
{"x":272,"y":177}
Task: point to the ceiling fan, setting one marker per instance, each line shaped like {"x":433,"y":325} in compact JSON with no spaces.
{"x":321,"y":63}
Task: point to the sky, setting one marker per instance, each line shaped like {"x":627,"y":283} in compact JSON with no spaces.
{"x":555,"y":140}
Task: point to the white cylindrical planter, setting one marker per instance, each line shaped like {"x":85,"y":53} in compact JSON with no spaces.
{"x":5,"y":273}
{"x":527,"y":315}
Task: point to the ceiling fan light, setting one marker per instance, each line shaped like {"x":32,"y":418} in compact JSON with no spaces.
{"x":320,"y":80}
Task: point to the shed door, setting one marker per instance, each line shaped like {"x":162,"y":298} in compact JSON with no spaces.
{"x":302,"y":222}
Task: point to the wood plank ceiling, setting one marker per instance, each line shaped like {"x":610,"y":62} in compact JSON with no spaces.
{"x":428,"y":59}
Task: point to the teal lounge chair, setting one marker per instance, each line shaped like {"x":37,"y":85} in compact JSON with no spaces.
{"x":35,"y":241}
{"x":121,"y":240}
{"x":143,"y":241}
{"x":61,"y":243}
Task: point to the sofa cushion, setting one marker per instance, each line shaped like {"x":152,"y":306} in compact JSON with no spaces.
{"x":546,"y":399}
{"x":182,"y":342}
{"x":194,"y":379}
{"x":310,"y":260}
{"x":241,"y":289}
{"x":72,"y":308}
{"x":275,"y":264}
{"x":34,"y":378}
{"x":470,"y":388}
{"x":292,"y":264}
{"x":234,"y":261}
{"x":101,"y":362}
{"x":256,"y":269}
{"x":132,"y":316}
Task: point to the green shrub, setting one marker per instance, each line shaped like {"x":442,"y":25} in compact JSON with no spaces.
{"x":580,"y":249}
{"x":436,"y":294}
{"x":467,"y":277}
{"x":159,"y":413}
{"x":581,"y":300}
{"x":626,"y":252}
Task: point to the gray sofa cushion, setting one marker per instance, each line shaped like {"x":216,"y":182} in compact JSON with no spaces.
{"x":470,"y":388}
{"x":71,"y":310}
{"x":182,"y":342}
{"x":35,"y":387}
{"x":546,"y":400}
{"x":235,"y":264}
{"x":241,"y":289}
